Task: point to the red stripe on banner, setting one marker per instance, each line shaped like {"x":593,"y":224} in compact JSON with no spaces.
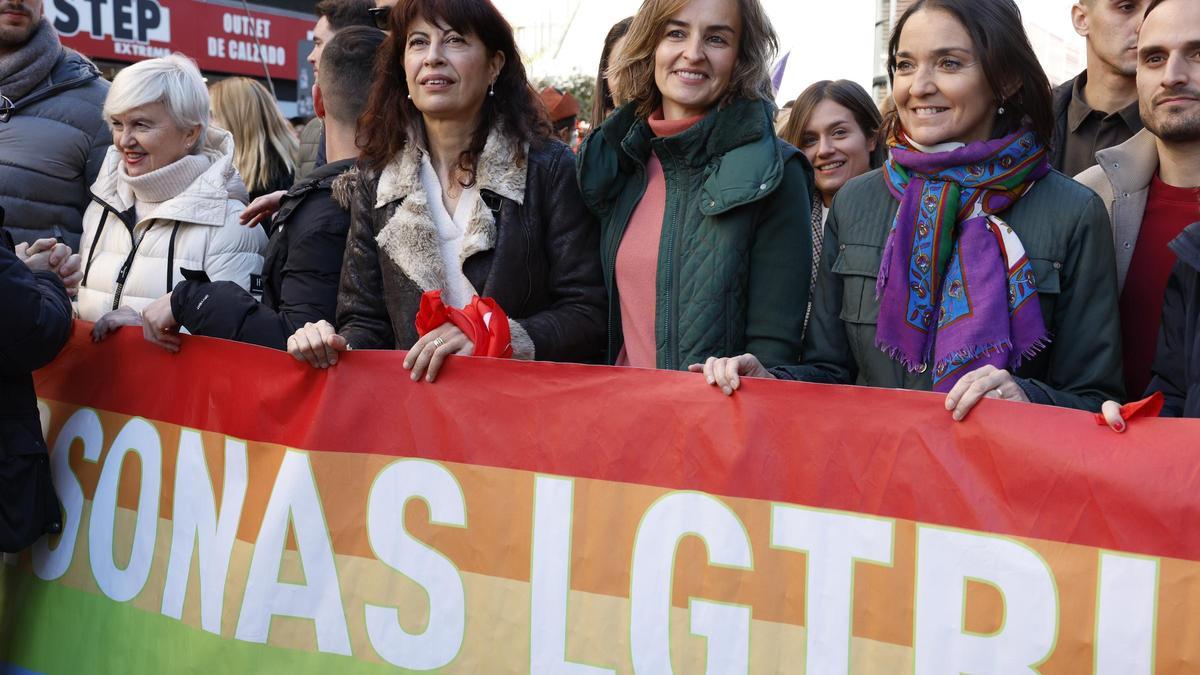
{"x":1016,"y":469}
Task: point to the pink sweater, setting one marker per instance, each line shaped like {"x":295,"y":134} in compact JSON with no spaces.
{"x":637,"y":257}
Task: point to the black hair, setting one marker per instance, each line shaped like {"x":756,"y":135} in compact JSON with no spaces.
{"x":391,"y":117}
{"x":345,"y":13}
{"x":1004,"y":52}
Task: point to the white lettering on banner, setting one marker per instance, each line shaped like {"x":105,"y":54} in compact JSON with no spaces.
{"x":442,"y":639}
{"x":550,"y":579}
{"x":1126,"y":613}
{"x":216,"y":47}
{"x":239,"y":50}
{"x":294,"y":500}
{"x":196,"y":524}
{"x":671,"y":518}
{"x":946,"y":561}
{"x":140,"y":50}
{"x":240,"y":24}
{"x":84,"y":425}
{"x":832,"y":542}
{"x":138,"y":437}
{"x":140,"y":21}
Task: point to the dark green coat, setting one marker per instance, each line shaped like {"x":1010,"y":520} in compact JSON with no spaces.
{"x":736,"y":248}
{"x":1064,"y":229}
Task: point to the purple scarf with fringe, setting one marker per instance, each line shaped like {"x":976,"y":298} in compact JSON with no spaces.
{"x":963,"y":294}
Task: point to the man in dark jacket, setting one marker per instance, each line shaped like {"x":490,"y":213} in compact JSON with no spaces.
{"x":1099,"y":108}
{"x":1177,"y":362}
{"x":37,"y":323}
{"x":308,"y":234}
{"x":51,"y":128}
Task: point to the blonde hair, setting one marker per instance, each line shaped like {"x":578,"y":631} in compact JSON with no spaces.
{"x":172,"y":80}
{"x":245,"y":108}
{"x":632,"y":72}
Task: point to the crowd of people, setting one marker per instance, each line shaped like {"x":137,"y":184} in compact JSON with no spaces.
{"x":983,"y":235}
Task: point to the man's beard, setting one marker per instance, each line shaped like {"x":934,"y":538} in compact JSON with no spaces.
{"x":1174,"y":128}
{"x":12,"y":37}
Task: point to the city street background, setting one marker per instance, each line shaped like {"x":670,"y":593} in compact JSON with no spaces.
{"x":827,"y":39}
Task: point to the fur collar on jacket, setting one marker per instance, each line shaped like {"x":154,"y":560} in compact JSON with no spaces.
{"x":410,"y":237}
{"x":204,"y":202}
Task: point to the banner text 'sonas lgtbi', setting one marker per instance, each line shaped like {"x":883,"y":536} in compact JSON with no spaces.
{"x":477,"y":548}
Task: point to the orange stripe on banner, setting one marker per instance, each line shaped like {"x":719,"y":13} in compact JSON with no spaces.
{"x":1023,"y":470}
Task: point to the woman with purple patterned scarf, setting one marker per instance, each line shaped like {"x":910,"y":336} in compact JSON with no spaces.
{"x":965,"y":265}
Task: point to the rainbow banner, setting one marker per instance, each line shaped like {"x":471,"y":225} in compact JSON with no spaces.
{"x":230,"y":510}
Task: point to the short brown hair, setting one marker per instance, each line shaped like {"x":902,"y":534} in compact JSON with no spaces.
{"x":345,"y":74}
{"x":634,"y":66}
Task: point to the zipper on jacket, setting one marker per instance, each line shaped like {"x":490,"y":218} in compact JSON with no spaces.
{"x":614,"y":300}
{"x":668,"y":324}
{"x":123,"y":274}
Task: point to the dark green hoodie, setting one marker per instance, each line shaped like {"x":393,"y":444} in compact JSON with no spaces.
{"x":736,"y":248}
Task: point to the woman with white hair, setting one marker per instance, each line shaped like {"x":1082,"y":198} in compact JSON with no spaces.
{"x":166,"y":201}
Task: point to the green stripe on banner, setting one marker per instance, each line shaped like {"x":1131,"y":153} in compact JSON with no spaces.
{"x":49,"y":628}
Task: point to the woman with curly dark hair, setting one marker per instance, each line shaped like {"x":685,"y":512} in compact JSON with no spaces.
{"x":464,"y":192}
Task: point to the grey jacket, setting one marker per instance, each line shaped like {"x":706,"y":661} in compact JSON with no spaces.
{"x":53,"y":140}
{"x":1122,"y":179}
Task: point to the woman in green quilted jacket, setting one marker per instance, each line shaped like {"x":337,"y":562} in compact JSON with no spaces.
{"x":705,"y":247}
{"x":965,"y":265}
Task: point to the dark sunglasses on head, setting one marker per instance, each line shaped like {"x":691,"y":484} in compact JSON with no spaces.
{"x":380,"y":16}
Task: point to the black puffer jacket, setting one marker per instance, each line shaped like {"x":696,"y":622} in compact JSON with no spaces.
{"x":1177,"y":361}
{"x":531,"y":245}
{"x":300,"y":274}
{"x":52,"y":143}
{"x":37,"y":323}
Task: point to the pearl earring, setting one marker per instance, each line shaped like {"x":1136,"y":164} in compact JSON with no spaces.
{"x":1000,"y":111}
{"x":492,"y":89}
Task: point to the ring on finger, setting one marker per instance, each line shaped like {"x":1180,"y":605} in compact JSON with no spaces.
{"x":998,"y":392}
{"x":438,"y":342}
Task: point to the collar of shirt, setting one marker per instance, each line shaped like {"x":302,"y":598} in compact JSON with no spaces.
{"x":1078,"y":111}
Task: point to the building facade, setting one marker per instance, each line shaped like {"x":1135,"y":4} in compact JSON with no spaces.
{"x":267,"y":41}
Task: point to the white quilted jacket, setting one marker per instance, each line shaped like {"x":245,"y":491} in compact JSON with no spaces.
{"x":196,"y":230}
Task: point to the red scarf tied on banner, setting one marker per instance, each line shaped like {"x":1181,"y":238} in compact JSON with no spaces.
{"x":483,"y":322}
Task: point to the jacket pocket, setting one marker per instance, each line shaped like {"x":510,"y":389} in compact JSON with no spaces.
{"x":857,"y":265}
{"x":1048,"y":274}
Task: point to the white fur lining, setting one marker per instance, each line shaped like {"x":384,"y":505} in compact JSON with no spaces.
{"x":410,"y":236}
{"x":522,"y":344}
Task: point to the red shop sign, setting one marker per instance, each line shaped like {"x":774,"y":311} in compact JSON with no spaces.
{"x":220,"y":37}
